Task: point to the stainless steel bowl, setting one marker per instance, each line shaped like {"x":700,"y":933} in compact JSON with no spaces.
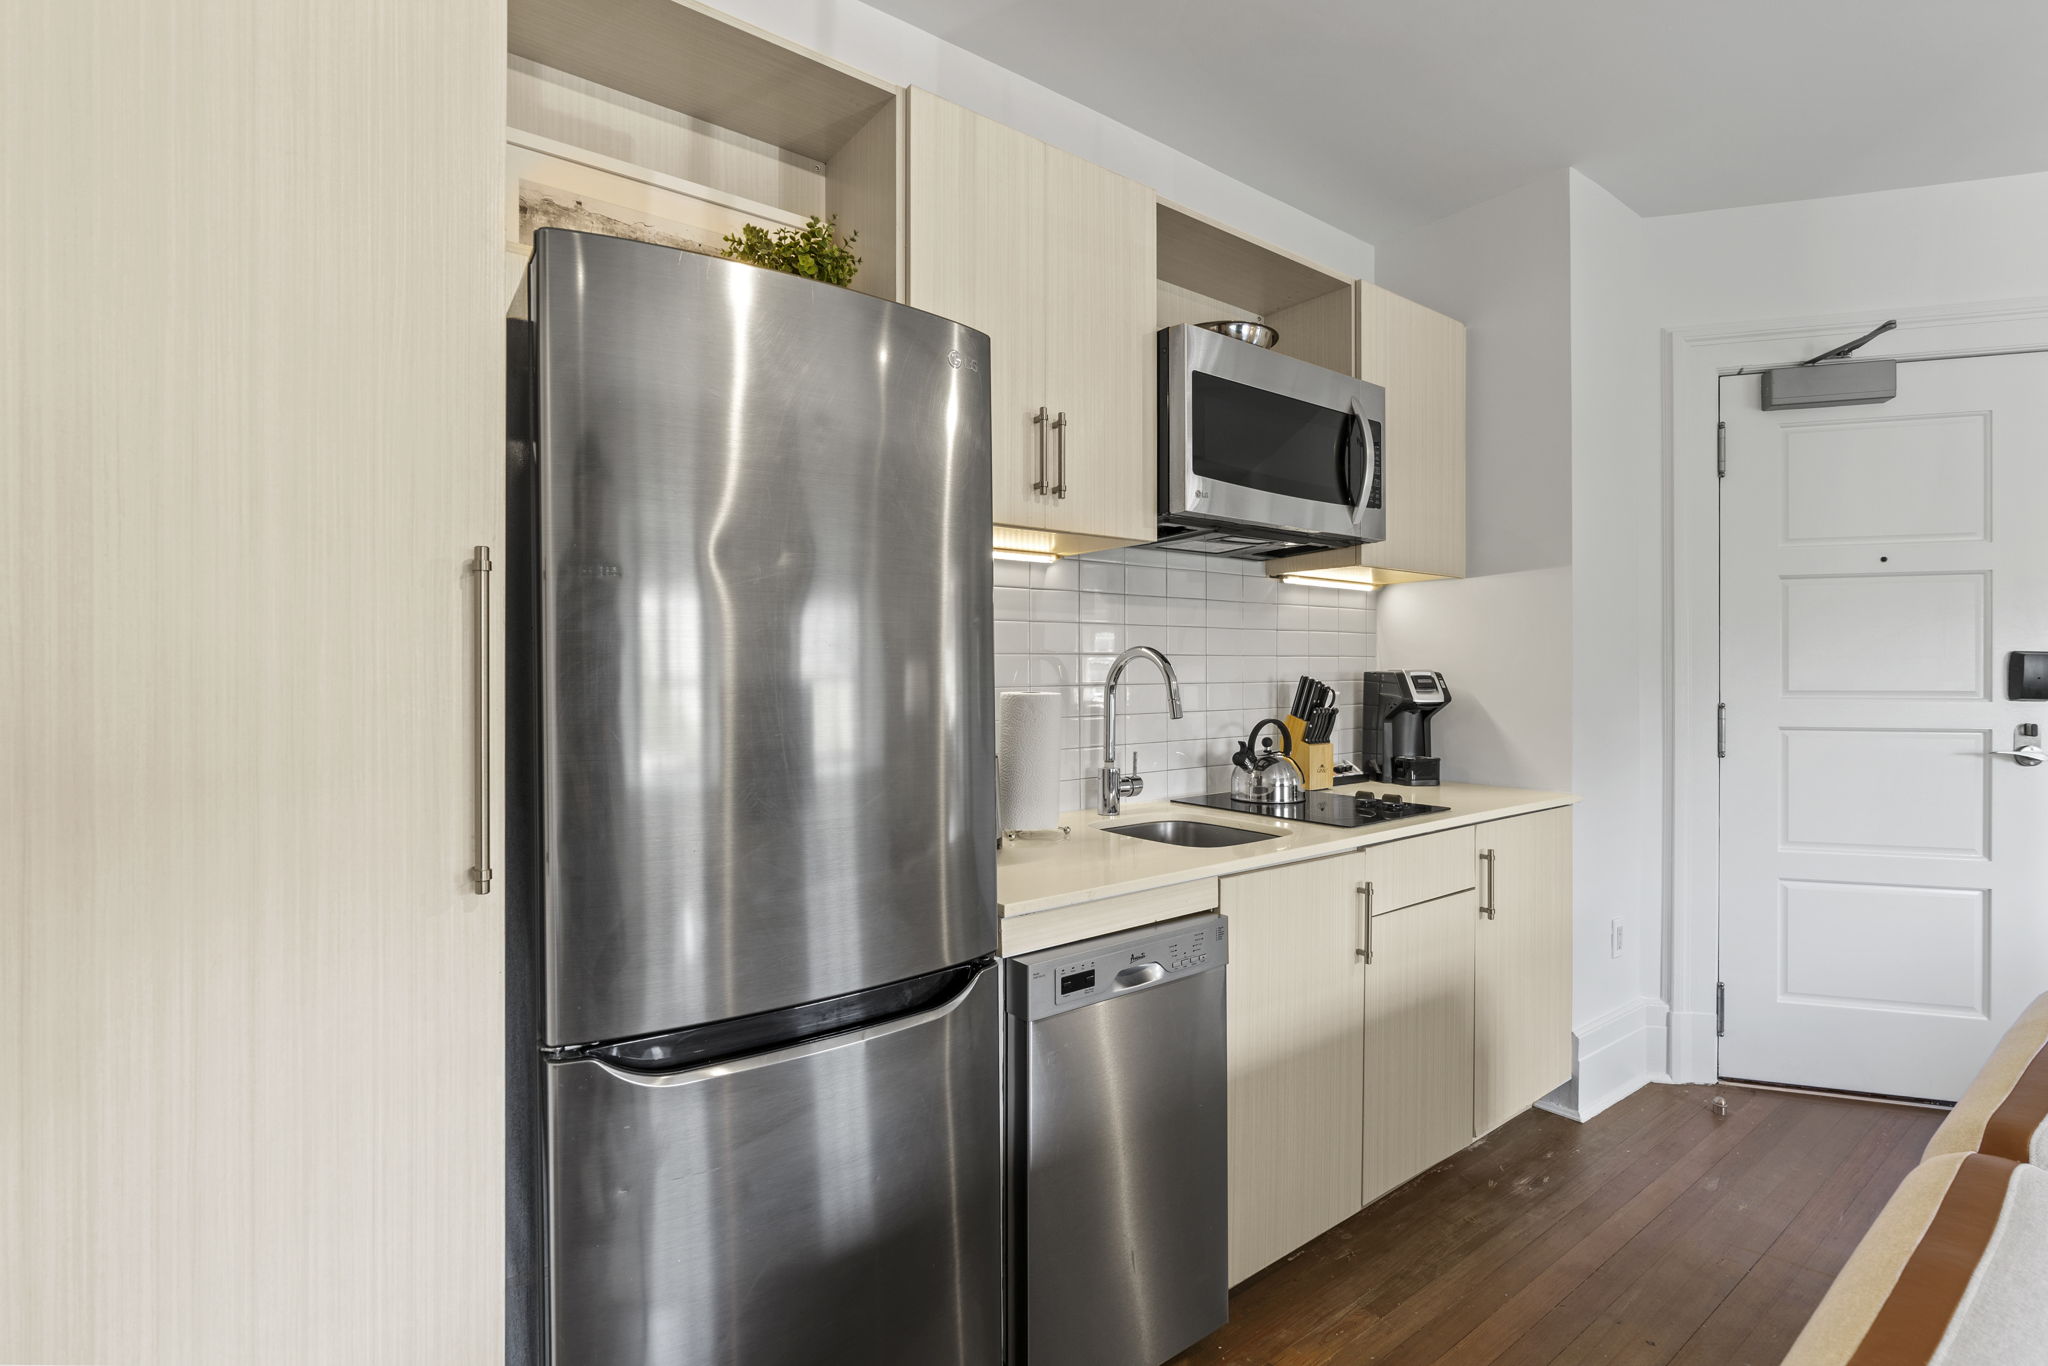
{"x":1258,"y":334}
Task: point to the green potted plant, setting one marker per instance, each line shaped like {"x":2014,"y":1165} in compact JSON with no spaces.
{"x":815,"y":251}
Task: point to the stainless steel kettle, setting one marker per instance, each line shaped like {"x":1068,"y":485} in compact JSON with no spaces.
{"x":1264,"y":778}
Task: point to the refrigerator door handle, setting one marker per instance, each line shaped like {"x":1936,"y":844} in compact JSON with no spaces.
{"x":809,"y":1048}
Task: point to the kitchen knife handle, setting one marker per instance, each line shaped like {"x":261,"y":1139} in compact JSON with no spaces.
{"x":480,"y":575}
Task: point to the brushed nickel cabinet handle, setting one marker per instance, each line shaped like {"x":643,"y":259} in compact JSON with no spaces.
{"x":1365,"y":890}
{"x":1486,"y":906}
{"x":480,"y":571}
{"x":1042,"y":421}
{"x":1059,"y":489}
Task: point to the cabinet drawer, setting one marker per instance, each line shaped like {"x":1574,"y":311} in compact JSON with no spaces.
{"x":1421,"y":869}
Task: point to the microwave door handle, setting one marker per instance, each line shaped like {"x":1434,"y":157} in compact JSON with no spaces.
{"x":1372,"y":450}
{"x":1347,"y":437}
{"x":1354,"y":461}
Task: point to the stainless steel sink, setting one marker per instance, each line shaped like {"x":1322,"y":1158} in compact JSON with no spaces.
{"x":1191,"y":834}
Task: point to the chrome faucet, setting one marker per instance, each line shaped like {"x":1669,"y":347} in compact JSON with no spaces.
{"x":1115,"y":786}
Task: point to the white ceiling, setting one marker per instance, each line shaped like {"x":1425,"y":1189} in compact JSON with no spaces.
{"x":1377,"y":116}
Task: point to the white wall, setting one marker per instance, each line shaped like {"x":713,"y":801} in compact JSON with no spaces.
{"x":1501,"y":637}
{"x":1554,"y":644}
{"x":1502,"y":269}
{"x":886,"y":46}
{"x":1630,"y":279}
{"x":1862,"y":256}
{"x":1499,"y":642}
{"x":1617,"y":639}
{"x":1939,"y":244}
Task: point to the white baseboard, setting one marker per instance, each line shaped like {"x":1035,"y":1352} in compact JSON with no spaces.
{"x":1613,"y":1056}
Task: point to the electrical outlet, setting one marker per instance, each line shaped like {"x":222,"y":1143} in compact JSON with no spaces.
{"x":1614,"y":939}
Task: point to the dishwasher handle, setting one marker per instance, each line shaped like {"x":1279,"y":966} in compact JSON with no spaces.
{"x":1139,"y":975}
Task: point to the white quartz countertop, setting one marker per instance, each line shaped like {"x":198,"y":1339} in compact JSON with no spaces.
{"x":1044,"y":875}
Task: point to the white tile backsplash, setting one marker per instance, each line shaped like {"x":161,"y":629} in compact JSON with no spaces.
{"x":1237,"y":638}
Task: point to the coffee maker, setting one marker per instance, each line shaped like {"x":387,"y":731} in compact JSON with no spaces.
{"x":1394,"y":744}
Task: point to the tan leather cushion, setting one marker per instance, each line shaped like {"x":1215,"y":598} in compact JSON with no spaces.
{"x":1950,"y":1274}
{"x":2005,"y":1111}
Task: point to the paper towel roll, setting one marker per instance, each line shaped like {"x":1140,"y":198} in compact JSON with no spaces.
{"x":1028,"y":754}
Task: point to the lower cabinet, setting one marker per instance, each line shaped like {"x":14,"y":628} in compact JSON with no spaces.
{"x":1296,"y":1048}
{"x":1386,"y":1007}
{"x":1418,"y":1039}
{"x":1522,"y":997}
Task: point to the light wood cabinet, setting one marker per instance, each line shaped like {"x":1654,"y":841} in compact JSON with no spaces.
{"x":1297,"y":1040}
{"x":977,"y":256}
{"x":1418,"y":1039}
{"x":1101,"y":352}
{"x":1348,"y":1078}
{"x":1418,"y":356}
{"x":248,"y":456}
{"x":1053,"y":258}
{"x":1423,"y":868}
{"x":1523,"y":972}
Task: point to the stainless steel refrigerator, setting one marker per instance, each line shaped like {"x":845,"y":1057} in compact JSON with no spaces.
{"x":755,"y":1062}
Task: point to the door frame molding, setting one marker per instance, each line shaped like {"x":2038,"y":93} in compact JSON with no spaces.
{"x":1696,"y":359}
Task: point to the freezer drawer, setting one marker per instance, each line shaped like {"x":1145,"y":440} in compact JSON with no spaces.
{"x":1118,"y":1145}
{"x":836,"y":1201}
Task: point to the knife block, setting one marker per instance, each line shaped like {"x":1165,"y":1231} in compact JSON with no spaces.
{"x":1318,"y":763}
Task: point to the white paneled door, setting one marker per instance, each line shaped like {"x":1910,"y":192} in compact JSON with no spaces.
{"x":1884,"y":869}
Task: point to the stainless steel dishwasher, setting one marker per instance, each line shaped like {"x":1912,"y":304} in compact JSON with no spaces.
{"x":1117,"y":1141}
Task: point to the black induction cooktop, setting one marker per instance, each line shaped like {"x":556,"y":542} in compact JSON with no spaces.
{"x":1331,"y":806}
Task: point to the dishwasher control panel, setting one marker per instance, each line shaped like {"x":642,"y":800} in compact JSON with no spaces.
{"x":1053,"y":980}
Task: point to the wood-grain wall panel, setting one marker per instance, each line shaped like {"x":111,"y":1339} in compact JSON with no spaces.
{"x":568,"y":108}
{"x":864,"y":190}
{"x":252,"y":418}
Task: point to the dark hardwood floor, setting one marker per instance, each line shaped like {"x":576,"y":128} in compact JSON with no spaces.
{"x":1659,"y":1232}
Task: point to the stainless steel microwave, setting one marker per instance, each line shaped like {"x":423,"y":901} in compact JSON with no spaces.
{"x":1261,"y":454}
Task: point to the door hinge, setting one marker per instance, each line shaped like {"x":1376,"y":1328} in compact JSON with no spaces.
{"x":1720,"y":730}
{"x":1720,"y":1010}
{"x":1721,"y":451}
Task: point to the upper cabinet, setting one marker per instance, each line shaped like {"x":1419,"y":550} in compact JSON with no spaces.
{"x":669,"y":122}
{"x":1211,"y":273}
{"x":1052,"y":257}
{"x":1418,"y":357}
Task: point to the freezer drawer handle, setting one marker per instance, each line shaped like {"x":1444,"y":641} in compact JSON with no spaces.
{"x":809,"y":1048}
{"x":480,"y":572}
